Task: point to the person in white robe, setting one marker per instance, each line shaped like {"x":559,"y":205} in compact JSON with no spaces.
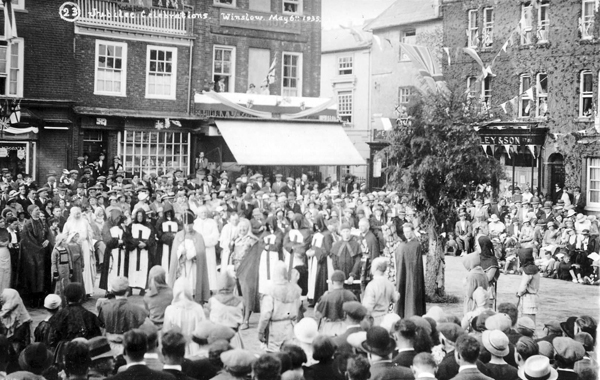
{"x":210,"y":233}
{"x":80,"y":225}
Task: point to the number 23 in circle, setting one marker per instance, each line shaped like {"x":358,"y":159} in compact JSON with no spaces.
{"x":69,"y":11}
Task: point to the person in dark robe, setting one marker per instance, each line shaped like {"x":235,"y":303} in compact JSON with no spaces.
{"x":166,"y":228}
{"x":272,"y":237}
{"x":320,"y":264}
{"x":296,"y":243}
{"x":189,"y":260}
{"x":115,"y":257}
{"x":74,"y":321}
{"x":34,"y":280}
{"x":246,"y":253}
{"x":346,"y":254}
{"x":140,"y":240}
{"x":489,"y":262}
{"x":410,"y":276}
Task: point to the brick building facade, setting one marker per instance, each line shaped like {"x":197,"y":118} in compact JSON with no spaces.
{"x":549,"y":72}
{"x":126,"y":85}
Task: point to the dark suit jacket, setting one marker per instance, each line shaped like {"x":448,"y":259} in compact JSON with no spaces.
{"x":404,"y":358}
{"x":141,"y":372}
{"x":201,"y":369}
{"x":388,"y":371}
{"x":448,"y":368}
{"x":471,"y":374}
{"x":566,"y":375}
{"x":579,"y":203}
{"x":178,"y":374}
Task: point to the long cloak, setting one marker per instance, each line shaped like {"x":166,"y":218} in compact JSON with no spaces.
{"x":82,"y":227}
{"x":166,"y":228}
{"x":201,"y":289}
{"x":410,"y":279}
{"x":116,"y":260}
{"x":33,"y":276}
{"x":320,"y":265}
{"x":140,"y":258}
{"x":210,"y":234}
{"x":247,"y":274}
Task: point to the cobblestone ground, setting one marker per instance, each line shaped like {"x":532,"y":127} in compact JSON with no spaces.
{"x":558,"y":300}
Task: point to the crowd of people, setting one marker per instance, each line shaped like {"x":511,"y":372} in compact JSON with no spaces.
{"x":336,"y":274}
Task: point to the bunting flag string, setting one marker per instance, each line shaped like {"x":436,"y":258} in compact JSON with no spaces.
{"x":447,"y":50}
{"x":485,"y":146}
{"x":507,"y":148}
{"x":503,"y":106}
{"x":493,"y":148}
{"x":532,"y":150}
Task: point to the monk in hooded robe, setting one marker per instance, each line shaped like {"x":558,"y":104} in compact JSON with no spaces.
{"x":245,"y":255}
{"x":272,"y":237}
{"x":209,"y":230}
{"x":319,"y":267}
{"x":189,"y":261}
{"x":141,"y":245}
{"x":410,"y":276}
{"x":166,"y":228}
{"x":295,"y":244}
{"x":116,"y":260}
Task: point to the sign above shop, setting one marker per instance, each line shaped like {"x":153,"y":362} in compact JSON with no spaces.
{"x":510,"y":136}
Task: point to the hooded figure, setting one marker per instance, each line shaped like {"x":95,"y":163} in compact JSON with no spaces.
{"x":141,"y":246}
{"x":320,"y":265}
{"x":116,"y":261}
{"x":246,"y":253}
{"x":475,"y":279}
{"x":272,"y":253}
{"x":166,"y":228}
{"x":489,"y":262}
{"x":62,"y":264}
{"x":188,"y":260}
{"x":225,"y":308}
{"x":530,"y":283}
{"x":159,"y":297}
{"x":279,"y":310}
{"x":295,"y":244}
{"x":481,"y":300}
{"x":184,"y":314}
{"x":209,"y":230}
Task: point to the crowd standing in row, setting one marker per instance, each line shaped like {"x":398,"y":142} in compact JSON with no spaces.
{"x":206,"y":254}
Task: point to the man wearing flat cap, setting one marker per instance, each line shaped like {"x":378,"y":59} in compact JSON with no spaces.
{"x":354,"y":312}
{"x":237,"y":364}
{"x":119,"y":315}
{"x":334,"y":305}
{"x":567,"y":353}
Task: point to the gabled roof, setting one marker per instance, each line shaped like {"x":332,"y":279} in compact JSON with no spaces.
{"x":404,"y":12}
{"x":345,"y":39}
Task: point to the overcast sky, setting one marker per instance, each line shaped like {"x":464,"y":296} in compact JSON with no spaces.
{"x":336,"y":12}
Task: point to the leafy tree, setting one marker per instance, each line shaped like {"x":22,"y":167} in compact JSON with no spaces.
{"x":437,"y":161}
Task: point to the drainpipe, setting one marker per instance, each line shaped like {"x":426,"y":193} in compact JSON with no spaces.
{"x":190,"y":71}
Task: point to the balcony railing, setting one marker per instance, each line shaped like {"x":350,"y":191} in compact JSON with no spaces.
{"x":111,"y":14}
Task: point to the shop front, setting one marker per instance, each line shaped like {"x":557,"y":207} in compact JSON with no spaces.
{"x":520,"y":149}
{"x":272,"y":134}
{"x":19,"y":157}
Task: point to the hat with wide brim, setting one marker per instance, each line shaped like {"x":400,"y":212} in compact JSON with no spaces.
{"x":537,"y":367}
{"x":379,"y":342}
{"x":35,"y":358}
{"x":496,"y":342}
{"x":568,"y":327}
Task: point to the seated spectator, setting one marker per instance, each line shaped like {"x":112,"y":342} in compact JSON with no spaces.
{"x":266,"y":367}
{"x":466,"y":354}
{"x":135,"y":345}
{"x":102,"y":359}
{"x":358,"y":368}
{"x":77,"y":360}
{"x":173,"y":351}
{"x":496,"y":343}
{"x":236,"y":364}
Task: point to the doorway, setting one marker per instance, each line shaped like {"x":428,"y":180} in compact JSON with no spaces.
{"x":557,"y":172}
